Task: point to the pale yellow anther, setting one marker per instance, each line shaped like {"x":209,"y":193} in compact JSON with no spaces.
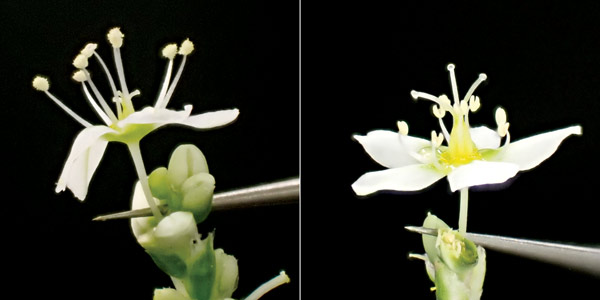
{"x":500,"y":116}
{"x":41,"y":83}
{"x":503,"y":130}
{"x":474,"y":103}
{"x":445,"y":100}
{"x":438,"y":112}
{"x":186,"y":47}
{"x":169,"y":51}
{"x":436,"y":139}
{"x":79,"y":76}
{"x":115,"y":37}
{"x":80,"y":61}
{"x":402,"y":127}
{"x":89,"y":49}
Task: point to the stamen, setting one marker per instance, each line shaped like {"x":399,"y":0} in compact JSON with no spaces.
{"x":402,"y":127}
{"x":169,"y":52}
{"x":500,"y":116}
{"x":475,"y":84}
{"x":269,"y":285}
{"x":436,"y":140}
{"x":80,"y":61}
{"x":438,"y":112}
{"x":89,"y":50}
{"x":453,"y":82}
{"x":115,"y":37}
{"x":107,"y":72}
{"x":79,"y":76}
{"x":101,"y":100}
{"x":97,"y":108}
{"x":474,"y":103}
{"x":186,"y":47}
{"x":174,"y":84}
{"x":442,"y":101}
{"x":42,"y":84}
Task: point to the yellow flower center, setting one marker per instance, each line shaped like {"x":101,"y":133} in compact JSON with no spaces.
{"x":461,"y":149}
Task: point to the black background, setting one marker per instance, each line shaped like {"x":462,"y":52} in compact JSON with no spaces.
{"x":246,"y":57}
{"x":542,"y":60}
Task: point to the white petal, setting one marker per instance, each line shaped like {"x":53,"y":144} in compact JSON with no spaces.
{"x":212,"y":119}
{"x":485,"y":138}
{"x":407,"y":178}
{"x":481,"y":172}
{"x":158,"y":116}
{"x":85,"y":155}
{"x":385,"y":147}
{"x":530,"y":152}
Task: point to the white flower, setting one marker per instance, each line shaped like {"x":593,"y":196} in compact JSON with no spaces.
{"x":126,"y":125}
{"x":471,"y":156}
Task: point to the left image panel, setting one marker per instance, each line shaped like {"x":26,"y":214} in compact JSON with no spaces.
{"x":186,"y":114}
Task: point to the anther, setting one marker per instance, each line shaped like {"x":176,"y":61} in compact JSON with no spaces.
{"x":79,"y":76}
{"x":115,"y":37}
{"x":438,"y":112}
{"x":186,"y":47}
{"x":436,"y":140}
{"x":474,"y":103}
{"x":500,"y":116}
{"x":41,"y":84}
{"x":89,"y":50}
{"x":402,"y":127}
{"x":169,"y":51}
{"x":80,"y":61}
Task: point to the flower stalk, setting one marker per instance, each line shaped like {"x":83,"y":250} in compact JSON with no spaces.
{"x":464,"y":210}
{"x":136,"y":155}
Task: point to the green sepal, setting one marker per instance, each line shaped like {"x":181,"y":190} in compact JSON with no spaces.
{"x":202,"y":270}
{"x":429,"y":241}
{"x":171,"y":264}
{"x":159,"y":184}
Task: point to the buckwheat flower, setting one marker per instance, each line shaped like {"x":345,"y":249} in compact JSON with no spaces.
{"x":471,"y":156}
{"x":123,"y":123}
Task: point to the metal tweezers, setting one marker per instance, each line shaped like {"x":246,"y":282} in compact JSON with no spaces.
{"x":275,"y":193}
{"x":579,"y":258}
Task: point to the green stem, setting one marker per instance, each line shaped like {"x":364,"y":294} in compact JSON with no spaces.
{"x":136,"y":154}
{"x":464,"y":208}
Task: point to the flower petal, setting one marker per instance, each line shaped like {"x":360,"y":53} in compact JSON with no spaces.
{"x":485,"y":138}
{"x":158,"y":116}
{"x":408,"y":178}
{"x":481,"y":172}
{"x":212,"y":119}
{"x":530,"y":152}
{"x":85,"y":155}
{"x":386,"y":148}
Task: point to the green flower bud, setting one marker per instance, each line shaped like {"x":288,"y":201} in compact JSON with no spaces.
{"x":159,"y":183}
{"x":186,"y":161}
{"x":458,"y":253}
{"x":197,"y":194}
{"x":456,"y":265}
